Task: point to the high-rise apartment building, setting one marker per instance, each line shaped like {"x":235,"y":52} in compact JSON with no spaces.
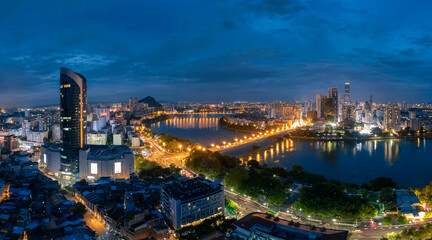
{"x":73,"y":115}
{"x":392,"y":117}
{"x":333,"y":94}
{"x":329,"y":109}
{"x":319,"y":105}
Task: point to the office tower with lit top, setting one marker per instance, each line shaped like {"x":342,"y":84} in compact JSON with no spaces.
{"x":347,"y":93}
{"x":73,"y":105}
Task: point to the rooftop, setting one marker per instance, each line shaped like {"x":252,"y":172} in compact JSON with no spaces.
{"x":107,"y":152}
{"x":182,"y":188}
{"x":287,"y":229}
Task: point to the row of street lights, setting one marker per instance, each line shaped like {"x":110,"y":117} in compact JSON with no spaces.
{"x":254,"y":136}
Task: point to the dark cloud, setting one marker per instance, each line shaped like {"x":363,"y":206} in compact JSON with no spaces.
{"x":232,"y":49}
{"x":274,"y":8}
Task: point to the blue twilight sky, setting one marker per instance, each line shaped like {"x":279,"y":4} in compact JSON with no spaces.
{"x":216,"y":50}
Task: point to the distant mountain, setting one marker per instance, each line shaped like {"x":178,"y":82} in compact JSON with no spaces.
{"x":151,"y":102}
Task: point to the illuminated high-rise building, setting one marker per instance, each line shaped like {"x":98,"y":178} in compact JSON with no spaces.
{"x":73,"y":105}
{"x":392,"y":117}
{"x":333,"y":94}
{"x":347,"y":93}
{"x":319,"y":105}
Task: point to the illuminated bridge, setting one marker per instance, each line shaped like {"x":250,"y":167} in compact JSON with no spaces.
{"x":253,"y":139}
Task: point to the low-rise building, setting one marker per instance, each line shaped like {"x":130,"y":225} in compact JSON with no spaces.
{"x":264,"y":226}
{"x":408,"y":204}
{"x":187,"y":201}
{"x":118,"y":138}
{"x":96,"y":138}
{"x":50,"y":156}
{"x":97,"y":161}
{"x":124,"y":206}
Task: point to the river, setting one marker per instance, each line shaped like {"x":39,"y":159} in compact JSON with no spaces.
{"x":409,"y":163}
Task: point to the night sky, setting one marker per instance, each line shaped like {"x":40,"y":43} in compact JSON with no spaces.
{"x":216,"y":50}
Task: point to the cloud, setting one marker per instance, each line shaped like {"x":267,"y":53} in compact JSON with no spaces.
{"x":244,"y":49}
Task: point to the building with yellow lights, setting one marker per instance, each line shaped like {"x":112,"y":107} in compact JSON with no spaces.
{"x":408,"y":205}
{"x":188,"y":201}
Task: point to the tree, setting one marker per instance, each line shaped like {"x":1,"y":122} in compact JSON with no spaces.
{"x":217,"y":223}
{"x":393,"y":236}
{"x":388,"y":199}
{"x":81,"y":208}
{"x":382,"y":182}
{"x":328,"y":200}
{"x":425,"y":194}
{"x":368,"y":210}
{"x":253,"y":164}
{"x":402,"y":220}
{"x":231,"y":207}
{"x":110,"y":139}
{"x":387,"y":220}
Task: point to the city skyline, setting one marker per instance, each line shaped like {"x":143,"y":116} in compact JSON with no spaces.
{"x":211,"y":51}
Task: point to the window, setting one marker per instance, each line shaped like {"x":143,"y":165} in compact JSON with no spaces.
{"x":117,"y":167}
{"x":93,"y":168}
{"x":45,"y":158}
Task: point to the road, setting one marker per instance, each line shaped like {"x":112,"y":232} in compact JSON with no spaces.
{"x":245,"y":206}
{"x":95,"y":224}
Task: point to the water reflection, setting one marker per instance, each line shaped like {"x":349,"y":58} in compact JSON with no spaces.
{"x":191,"y":122}
{"x":272,"y":153}
{"x":331,"y":151}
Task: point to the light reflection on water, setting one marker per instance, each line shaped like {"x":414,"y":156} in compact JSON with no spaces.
{"x":407,"y":162}
{"x":329,"y":149}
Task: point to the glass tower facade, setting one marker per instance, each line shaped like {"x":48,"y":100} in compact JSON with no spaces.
{"x":73,"y":105}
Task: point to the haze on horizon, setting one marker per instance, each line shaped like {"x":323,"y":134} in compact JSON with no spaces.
{"x":213,"y":50}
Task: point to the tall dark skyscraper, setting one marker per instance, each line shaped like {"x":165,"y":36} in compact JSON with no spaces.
{"x":347,"y":93}
{"x":73,"y":105}
{"x":333,"y":94}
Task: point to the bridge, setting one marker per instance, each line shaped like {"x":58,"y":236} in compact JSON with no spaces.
{"x":253,"y":139}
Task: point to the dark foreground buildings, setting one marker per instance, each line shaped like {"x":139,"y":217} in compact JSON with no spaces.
{"x":73,"y":104}
{"x":265,"y":226}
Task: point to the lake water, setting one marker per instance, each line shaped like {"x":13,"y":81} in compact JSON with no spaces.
{"x":409,"y":163}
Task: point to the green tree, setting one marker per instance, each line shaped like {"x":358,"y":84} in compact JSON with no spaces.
{"x":110,"y":139}
{"x":387,"y":220}
{"x":425,"y":194}
{"x":231,"y":206}
{"x":388,"y":199}
{"x":382,"y":182}
{"x":402,"y":220}
{"x":217,"y":223}
{"x":393,"y":236}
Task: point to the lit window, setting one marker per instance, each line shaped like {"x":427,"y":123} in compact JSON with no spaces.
{"x":93,"y":168}
{"x":117,"y":167}
{"x":45,"y":158}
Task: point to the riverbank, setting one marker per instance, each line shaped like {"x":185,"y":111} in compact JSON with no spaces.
{"x":239,"y":128}
{"x":336,"y":138}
